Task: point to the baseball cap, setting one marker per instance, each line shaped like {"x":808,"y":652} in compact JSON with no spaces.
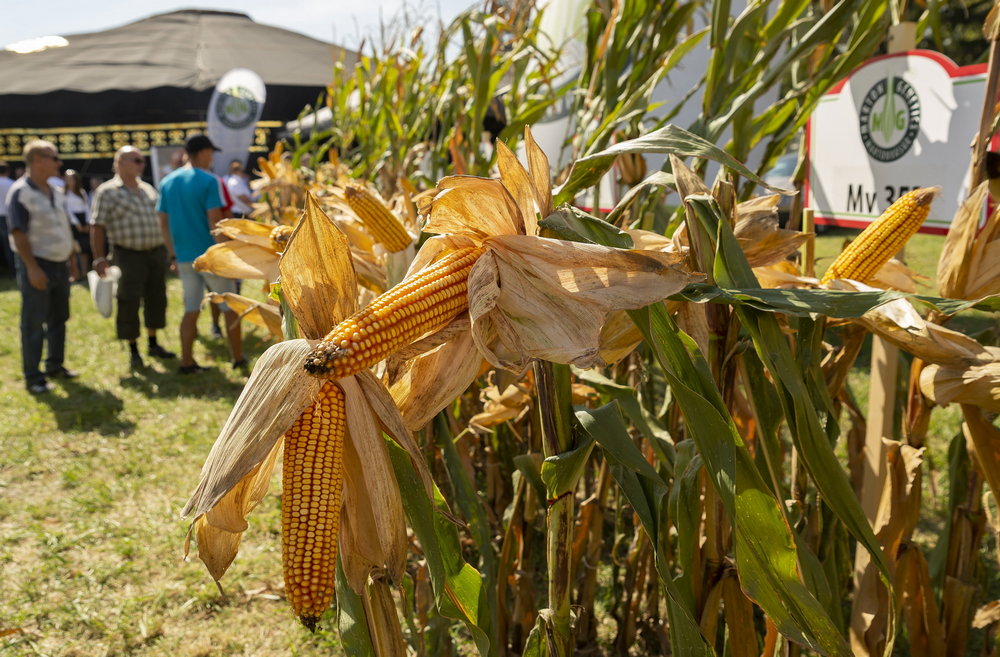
{"x":196,"y":143}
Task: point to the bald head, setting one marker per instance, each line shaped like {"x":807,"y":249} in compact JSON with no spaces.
{"x":129,"y":163}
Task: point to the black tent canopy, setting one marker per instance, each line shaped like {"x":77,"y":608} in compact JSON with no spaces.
{"x":149,"y":82}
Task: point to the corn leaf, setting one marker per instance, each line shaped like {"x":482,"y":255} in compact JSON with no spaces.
{"x":458,"y":587}
{"x":351,"y":622}
{"x":645,"y":490}
{"x":832,"y":303}
{"x":732,"y":269}
{"x":668,"y":139}
{"x":765,"y":548}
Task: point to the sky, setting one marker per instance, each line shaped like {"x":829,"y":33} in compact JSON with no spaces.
{"x":344,"y":22}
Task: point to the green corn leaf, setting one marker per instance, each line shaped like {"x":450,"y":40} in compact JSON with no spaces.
{"x":766,"y":554}
{"x":458,"y":587}
{"x":732,"y":269}
{"x":645,"y":491}
{"x":668,"y":139}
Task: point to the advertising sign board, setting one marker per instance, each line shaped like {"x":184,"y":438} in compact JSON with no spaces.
{"x":897,"y":122}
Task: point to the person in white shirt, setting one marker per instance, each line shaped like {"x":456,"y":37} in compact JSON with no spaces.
{"x":239,"y":189}
{"x":78,"y":209}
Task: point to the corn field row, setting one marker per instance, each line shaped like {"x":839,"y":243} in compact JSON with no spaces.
{"x":510,"y":426}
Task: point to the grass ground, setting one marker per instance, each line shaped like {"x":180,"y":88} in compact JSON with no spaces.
{"x":93,"y":477}
{"x":92,"y":480}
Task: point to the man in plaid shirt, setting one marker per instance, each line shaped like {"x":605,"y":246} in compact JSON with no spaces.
{"x":124,"y":209}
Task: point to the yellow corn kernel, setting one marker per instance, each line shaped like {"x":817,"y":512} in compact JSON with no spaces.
{"x":378,"y":219}
{"x":420,"y":304}
{"x":279,"y":237}
{"x":883,"y":238}
{"x":313,"y":485}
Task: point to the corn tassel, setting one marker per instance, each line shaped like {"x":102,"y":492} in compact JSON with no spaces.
{"x":378,"y":219}
{"x":420,"y":304}
{"x":313,"y":485}
{"x":883,"y":238}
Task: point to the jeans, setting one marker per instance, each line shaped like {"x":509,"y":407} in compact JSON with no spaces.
{"x":43,"y":318}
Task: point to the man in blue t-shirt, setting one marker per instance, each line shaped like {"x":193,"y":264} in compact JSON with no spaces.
{"x":190,"y":205}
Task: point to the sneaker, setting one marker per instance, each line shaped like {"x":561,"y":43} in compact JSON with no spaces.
{"x":156,"y":351}
{"x":216,"y":332}
{"x":135,"y":361}
{"x":241,"y":364}
{"x":61,"y":373}
{"x":39,"y":387}
{"x":194,"y":368}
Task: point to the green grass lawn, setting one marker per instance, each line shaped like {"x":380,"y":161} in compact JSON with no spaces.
{"x":92,"y":480}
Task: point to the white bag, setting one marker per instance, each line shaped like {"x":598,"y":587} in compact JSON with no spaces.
{"x":103,"y":290}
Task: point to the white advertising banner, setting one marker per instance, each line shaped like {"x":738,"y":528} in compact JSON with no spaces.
{"x":233,"y":112}
{"x":898,"y":122}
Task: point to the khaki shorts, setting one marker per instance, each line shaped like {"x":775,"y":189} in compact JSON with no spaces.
{"x":197,"y":283}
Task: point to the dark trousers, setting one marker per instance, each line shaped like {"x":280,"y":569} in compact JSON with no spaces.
{"x":143,"y":281}
{"x":43,"y":318}
{"x":5,"y":251}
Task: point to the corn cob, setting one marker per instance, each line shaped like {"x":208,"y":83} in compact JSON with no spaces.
{"x":384,"y":225}
{"x":279,"y":237}
{"x":313,"y":481}
{"x":420,"y":304}
{"x":883,"y":238}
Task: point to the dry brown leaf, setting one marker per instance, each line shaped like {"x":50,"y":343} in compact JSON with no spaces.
{"x":263,"y":314}
{"x":895,"y":519}
{"x":246,"y":230}
{"x":955,"y":260}
{"x":475,"y":208}
{"x":763,"y":241}
{"x":619,"y":336}
{"x":452,"y":366}
{"x":519,"y":184}
{"x":900,"y":323}
{"x":894,"y":275}
{"x":549,"y":298}
{"x":985,"y":438}
{"x":219,"y":531}
{"x":276,"y":394}
{"x":317,"y":275}
{"x":538,"y":166}
{"x":379,"y":479}
{"x":920,"y":611}
{"x":237,"y":259}
{"x":986,"y":615}
{"x":976,"y":383}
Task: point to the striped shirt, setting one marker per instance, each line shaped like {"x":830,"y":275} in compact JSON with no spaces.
{"x":128,"y":215}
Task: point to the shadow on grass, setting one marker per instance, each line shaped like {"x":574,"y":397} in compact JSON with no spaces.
{"x":215,"y":383}
{"x":210,"y":384}
{"x":88,"y":409}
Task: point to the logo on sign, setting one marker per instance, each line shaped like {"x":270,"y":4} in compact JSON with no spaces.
{"x":236,"y":108}
{"x":890,"y":119}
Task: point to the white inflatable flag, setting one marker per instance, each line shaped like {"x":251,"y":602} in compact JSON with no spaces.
{"x":233,"y":112}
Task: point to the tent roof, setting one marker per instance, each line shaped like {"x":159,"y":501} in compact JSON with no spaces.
{"x":190,"y":48}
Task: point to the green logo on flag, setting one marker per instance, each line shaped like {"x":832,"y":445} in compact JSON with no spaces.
{"x":236,"y":108}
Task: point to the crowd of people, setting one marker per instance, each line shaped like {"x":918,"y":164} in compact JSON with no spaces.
{"x":55,"y":233}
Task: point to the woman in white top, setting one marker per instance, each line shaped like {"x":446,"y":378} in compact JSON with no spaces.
{"x":78,"y":209}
